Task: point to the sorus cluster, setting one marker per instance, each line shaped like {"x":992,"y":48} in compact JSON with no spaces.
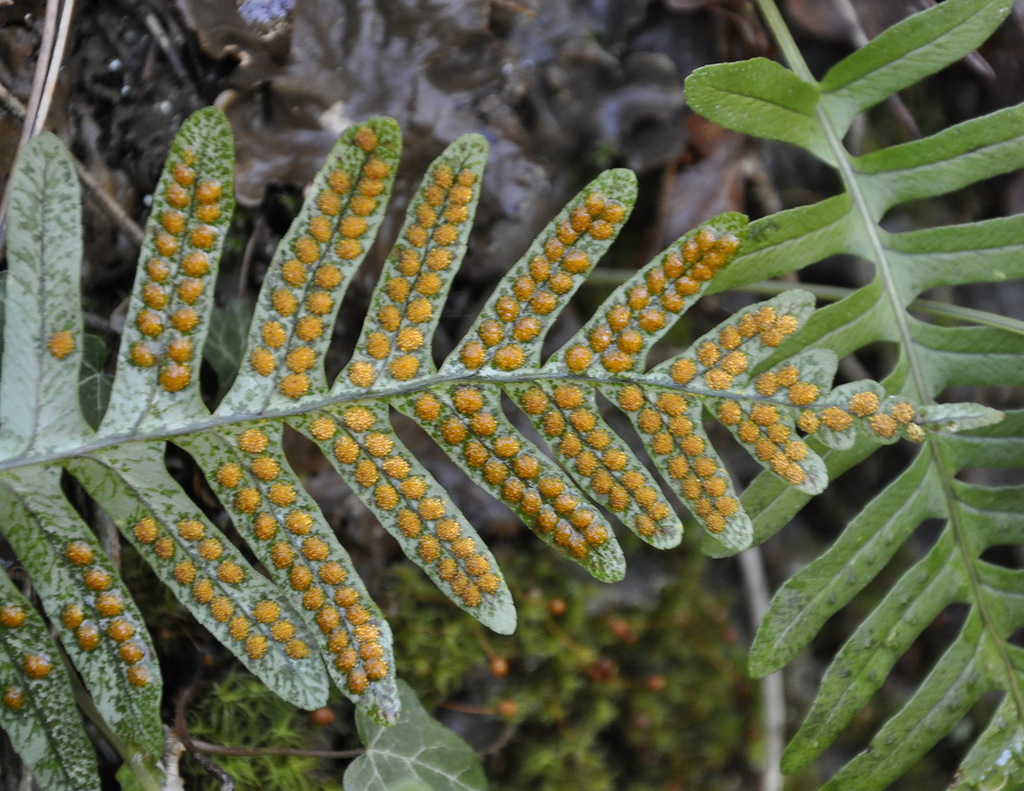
{"x":202,"y":568}
{"x":414,"y":281}
{"x":520,"y":311}
{"x":35,"y":666}
{"x":285,"y":529}
{"x":101,"y":613}
{"x":852,"y":405}
{"x":185,"y":234}
{"x":366,"y":453}
{"x":469,"y":424}
{"x":669,"y":425}
{"x":302,"y":295}
{"x":618,"y":339}
{"x":721,"y":362}
{"x":570,"y":424}
{"x":60,"y":344}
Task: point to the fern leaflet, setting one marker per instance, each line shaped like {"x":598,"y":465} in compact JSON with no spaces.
{"x":308,"y":622}
{"x":768,"y":100}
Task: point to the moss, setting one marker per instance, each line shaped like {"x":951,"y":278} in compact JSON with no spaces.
{"x":240,"y":711}
{"x":602,"y":687}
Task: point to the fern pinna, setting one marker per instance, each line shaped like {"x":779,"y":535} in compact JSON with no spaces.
{"x":763,"y":98}
{"x":307,"y":622}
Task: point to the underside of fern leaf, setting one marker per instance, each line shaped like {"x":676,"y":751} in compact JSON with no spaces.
{"x":764,"y":98}
{"x":301,"y":619}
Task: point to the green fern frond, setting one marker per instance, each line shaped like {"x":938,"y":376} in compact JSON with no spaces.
{"x":308,"y":621}
{"x":765,"y":99}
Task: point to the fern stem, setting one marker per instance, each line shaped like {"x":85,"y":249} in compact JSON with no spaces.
{"x":780,"y":32}
{"x":917,"y":380}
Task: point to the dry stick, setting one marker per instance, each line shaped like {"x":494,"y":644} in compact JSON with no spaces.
{"x":52,"y":71}
{"x":181,"y":732}
{"x":197,"y":746}
{"x":860,"y":38}
{"x":111,"y":207}
{"x":51,"y":54}
{"x":46,"y":53}
{"x":755,"y":587}
{"x":35,"y":99}
{"x":250,"y":249}
{"x":254,"y":752}
{"x":166,"y":46}
{"x":107,"y":203}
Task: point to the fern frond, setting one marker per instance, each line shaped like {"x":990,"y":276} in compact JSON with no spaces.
{"x":309,"y":621}
{"x":765,"y":99}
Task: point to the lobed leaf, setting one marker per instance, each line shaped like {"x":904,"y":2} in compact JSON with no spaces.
{"x":417,"y":752}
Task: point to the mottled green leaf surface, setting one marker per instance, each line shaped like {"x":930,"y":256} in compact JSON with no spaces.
{"x":35,"y":699}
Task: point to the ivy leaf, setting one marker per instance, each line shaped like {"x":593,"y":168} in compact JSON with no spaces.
{"x":226,"y":341}
{"x":94,"y":387}
{"x":416,"y":753}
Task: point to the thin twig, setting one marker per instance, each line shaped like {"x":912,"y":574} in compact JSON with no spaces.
{"x":166,"y":46}
{"x":181,"y":731}
{"x":46,"y":51}
{"x":196,"y":747}
{"x":53,"y":71}
{"x":859,"y":38}
{"x":247,"y":255}
{"x":107,"y":204}
{"x":755,"y":587}
{"x":254,"y":752}
{"x":35,"y":99}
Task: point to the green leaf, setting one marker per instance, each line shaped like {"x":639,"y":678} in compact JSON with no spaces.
{"x":417,"y":752}
{"x":996,"y":759}
{"x":907,"y":52}
{"x":759,"y":97}
{"x":776,"y":244}
{"x":943,"y":162}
